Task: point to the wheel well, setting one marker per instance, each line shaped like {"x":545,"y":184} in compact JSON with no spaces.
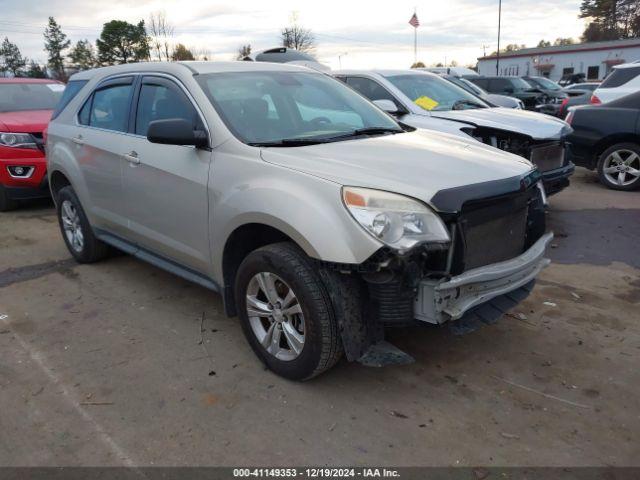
{"x":242,"y":242}
{"x":609,"y":141}
{"x":58,"y":182}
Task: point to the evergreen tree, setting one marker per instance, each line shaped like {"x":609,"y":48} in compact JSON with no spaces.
{"x":55,"y":43}
{"x":82,"y":55}
{"x":12,"y":59}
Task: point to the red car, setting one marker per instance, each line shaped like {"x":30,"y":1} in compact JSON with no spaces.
{"x":26,"y":105}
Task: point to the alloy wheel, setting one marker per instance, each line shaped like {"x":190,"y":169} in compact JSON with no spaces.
{"x":622,"y":167}
{"x":275,"y":316}
{"x":71,"y":226}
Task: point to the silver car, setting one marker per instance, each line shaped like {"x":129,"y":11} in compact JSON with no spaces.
{"x":317,"y":217}
{"x":425,"y":100}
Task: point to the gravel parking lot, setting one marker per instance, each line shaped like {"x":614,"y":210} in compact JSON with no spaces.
{"x":106,"y":364}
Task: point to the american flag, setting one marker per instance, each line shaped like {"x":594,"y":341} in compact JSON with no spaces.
{"x":414,"y":22}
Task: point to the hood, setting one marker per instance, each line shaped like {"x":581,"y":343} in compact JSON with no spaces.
{"x":28,"y":121}
{"x":535,"y":125}
{"x":418,"y":164}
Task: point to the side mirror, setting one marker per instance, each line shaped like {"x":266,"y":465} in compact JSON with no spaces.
{"x":176,"y":131}
{"x":387,"y":105}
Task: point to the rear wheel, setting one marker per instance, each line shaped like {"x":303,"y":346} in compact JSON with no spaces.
{"x":76,"y":230}
{"x":286,"y":313}
{"x":619,"y":166}
{"x":6,"y":203}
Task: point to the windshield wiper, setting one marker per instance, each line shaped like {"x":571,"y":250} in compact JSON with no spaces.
{"x":300,"y":142}
{"x":290,"y":142}
{"x":459,"y":103}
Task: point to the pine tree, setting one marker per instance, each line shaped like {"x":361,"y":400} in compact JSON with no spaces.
{"x":12,"y":59}
{"x":82,"y":55}
{"x":55,"y":42}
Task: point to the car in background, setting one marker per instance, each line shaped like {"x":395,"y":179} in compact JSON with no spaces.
{"x":607,"y":138}
{"x":512,"y":87}
{"x":454,"y":71}
{"x":623,"y":80}
{"x":553,"y":94}
{"x":26,"y":105}
{"x":232,"y":174}
{"x":579,"y":94}
{"x":490,"y":98}
{"x":287,"y":55}
{"x":425,"y":100}
{"x":571,"y":78}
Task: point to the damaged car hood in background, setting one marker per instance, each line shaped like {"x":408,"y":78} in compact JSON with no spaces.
{"x":535,"y":125}
{"x":418,"y":164}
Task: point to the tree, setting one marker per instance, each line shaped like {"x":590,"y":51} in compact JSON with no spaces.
{"x":82,"y":55}
{"x":55,"y":42}
{"x":543,"y":43}
{"x":563,"y":41}
{"x":12,"y":59}
{"x":160,"y":35}
{"x":297,"y":37}
{"x":418,"y":65}
{"x":610,"y":19}
{"x":35,"y":70}
{"x":243,"y":52}
{"x":122,"y":42}
{"x":181,"y":53}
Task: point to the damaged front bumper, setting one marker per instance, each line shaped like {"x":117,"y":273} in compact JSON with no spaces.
{"x":439,"y":301}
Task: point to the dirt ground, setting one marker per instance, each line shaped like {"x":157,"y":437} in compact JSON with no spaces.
{"x":102,"y":365}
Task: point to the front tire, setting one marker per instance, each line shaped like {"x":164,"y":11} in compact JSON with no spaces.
{"x":286,"y":312}
{"x":76,"y":229}
{"x":619,"y":167}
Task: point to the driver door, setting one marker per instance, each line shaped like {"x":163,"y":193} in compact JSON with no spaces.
{"x":166,"y":185}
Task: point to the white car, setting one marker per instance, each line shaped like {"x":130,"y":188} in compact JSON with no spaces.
{"x":427,"y":101}
{"x":624,"y":80}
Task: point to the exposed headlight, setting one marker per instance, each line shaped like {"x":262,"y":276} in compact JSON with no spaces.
{"x":397,"y":221}
{"x":17,"y":140}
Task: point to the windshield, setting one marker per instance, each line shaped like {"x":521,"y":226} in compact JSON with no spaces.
{"x":18,"y":97}
{"x":434,"y":93}
{"x":545,"y":83}
{"x":274,"y":107}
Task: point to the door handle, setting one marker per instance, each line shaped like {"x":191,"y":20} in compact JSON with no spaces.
{"x":78,"y":140}
{"x":132,"y":157}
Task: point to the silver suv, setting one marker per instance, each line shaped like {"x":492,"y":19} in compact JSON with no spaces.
{"x":317,"y":217}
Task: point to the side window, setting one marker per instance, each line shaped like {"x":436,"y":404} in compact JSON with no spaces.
{"x":110,"y":108}
{"x":160,"y":101}
{"x":83,"y":116}
{"x":481,"y":82}
{"x":370,"y":89}
{"x":620,"y":76}
{"x":500,"y":85}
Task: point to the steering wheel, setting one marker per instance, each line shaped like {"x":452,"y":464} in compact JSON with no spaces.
{"x":320,"y":121}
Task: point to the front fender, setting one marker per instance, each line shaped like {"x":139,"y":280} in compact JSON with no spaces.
{"x":307,"y":209}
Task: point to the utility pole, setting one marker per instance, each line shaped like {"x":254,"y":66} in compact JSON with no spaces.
{"x":484,"y":50}
{"x":340,"y":58}
{"x":499,"y":22}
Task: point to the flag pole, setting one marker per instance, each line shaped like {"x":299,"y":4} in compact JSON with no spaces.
{"x":415,"y":39}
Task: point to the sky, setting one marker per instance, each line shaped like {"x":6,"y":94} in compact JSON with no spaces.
{"x":349,"y":34}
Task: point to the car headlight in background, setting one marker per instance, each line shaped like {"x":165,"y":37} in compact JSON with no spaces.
{"x":397,"y":221}
{"x":17,"y":140}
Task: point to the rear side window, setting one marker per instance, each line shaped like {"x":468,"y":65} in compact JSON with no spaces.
{"x":620,"y":76}
{"x":481,"y":82}
{"x":108,"y":108}
{"x":161,"y":102}
{"x":72,"y":89}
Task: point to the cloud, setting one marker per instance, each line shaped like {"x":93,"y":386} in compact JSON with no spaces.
{"x":372,"y":34}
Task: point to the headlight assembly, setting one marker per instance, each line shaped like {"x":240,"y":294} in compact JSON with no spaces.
{"x":397,"y":221}
{"x":17,"y":140}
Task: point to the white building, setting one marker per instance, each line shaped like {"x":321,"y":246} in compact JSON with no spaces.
{"x":594,"y":59}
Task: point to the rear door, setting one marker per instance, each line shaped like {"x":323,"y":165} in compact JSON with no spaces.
{"x":165,"y":186}
{"x":102,"y":127}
